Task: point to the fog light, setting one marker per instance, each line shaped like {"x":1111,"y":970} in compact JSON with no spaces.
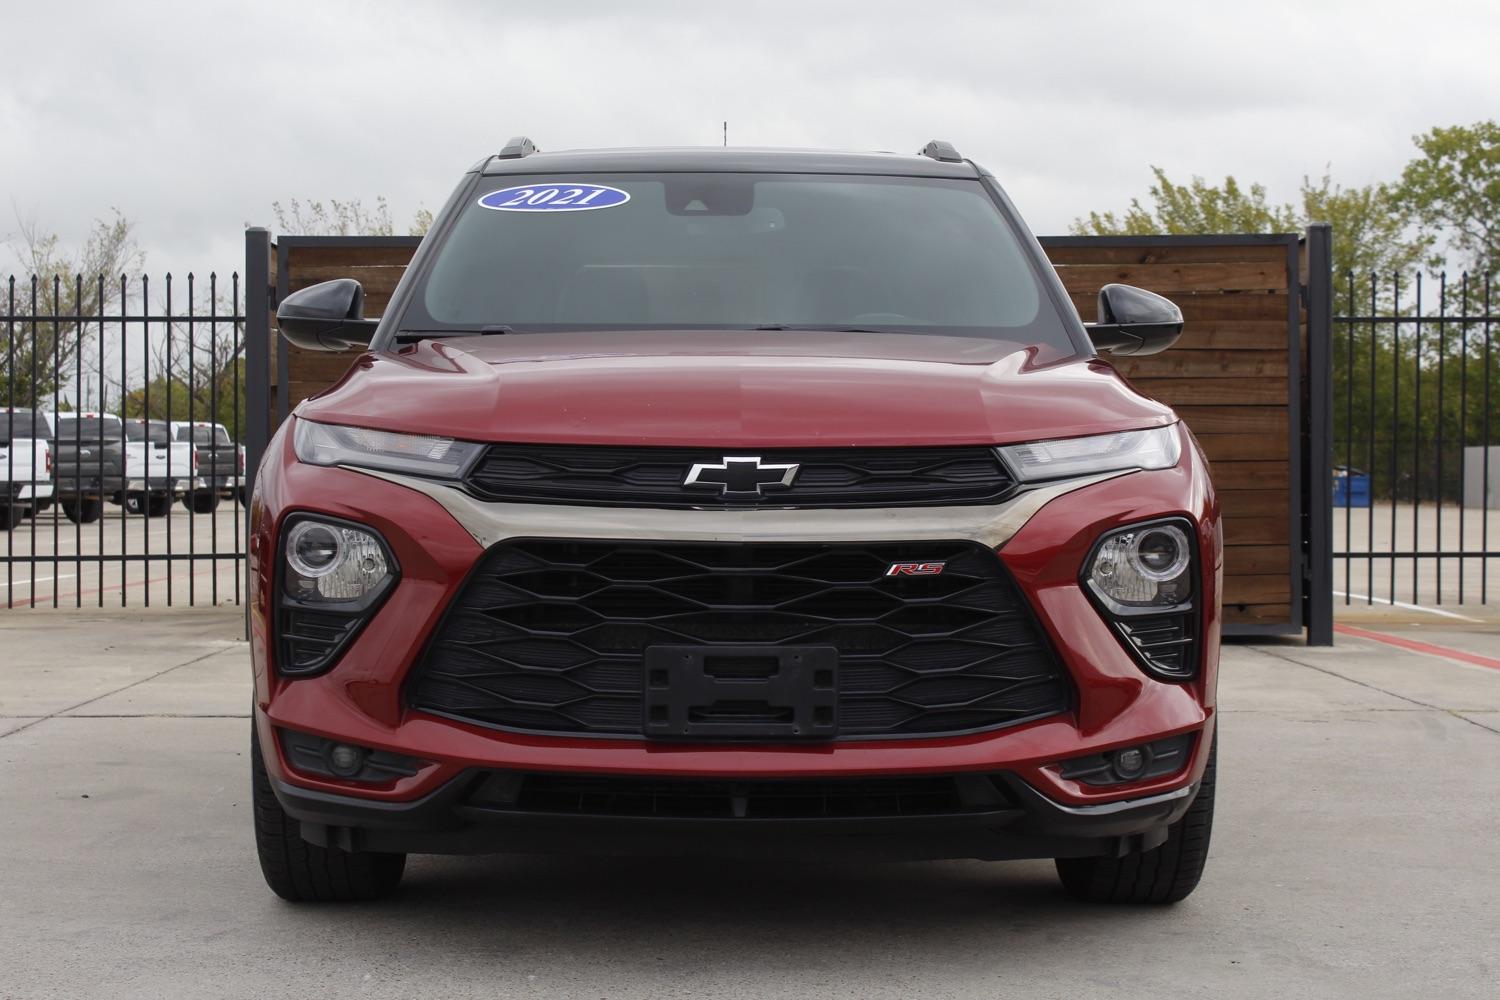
{"x":345,"y":761}
{"x":1138,"y":763}
{"x":1130,"y":763}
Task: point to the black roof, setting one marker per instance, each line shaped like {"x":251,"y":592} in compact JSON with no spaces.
{"x":725,"y":159}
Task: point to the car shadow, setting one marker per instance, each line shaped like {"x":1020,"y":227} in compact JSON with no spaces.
{"x":636,"y":914}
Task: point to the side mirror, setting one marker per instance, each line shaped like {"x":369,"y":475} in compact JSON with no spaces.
{"x":1134,"y":321}
{"x":328,"y":316}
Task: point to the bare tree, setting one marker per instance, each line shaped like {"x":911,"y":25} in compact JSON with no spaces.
{"x":343,"y":218}
{"x":48,"y":303}
{"x":196,"y":372}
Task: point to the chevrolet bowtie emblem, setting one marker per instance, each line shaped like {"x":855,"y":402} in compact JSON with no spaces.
{"x":740,"y":476}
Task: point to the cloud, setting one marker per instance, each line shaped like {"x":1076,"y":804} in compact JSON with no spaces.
{"x":193,"y":118}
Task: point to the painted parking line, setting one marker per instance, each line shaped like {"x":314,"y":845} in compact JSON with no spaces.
{"x":39,"y":580}
{"x":1417,"y":646}
{"x":1402,"y":604}
{"x":63,"y":596}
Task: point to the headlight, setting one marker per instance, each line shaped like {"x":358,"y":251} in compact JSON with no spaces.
{"x":361,"y":447}
{"x":1157,"y":448}
{"x":1142,"y":578}
{"x":334,"y":576}
{"x":1143,"y":567}
{"x":329,"y":562}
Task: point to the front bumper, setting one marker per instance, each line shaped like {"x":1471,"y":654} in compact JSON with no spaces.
{"x":161,"y":484}
{"x":1015,"y":822}
{"x":437,"y":538}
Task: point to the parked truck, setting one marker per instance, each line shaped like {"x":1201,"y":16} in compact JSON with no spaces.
{"x":221,"y":463}
{"x":98,"y":457}
{"x":25,"y":468}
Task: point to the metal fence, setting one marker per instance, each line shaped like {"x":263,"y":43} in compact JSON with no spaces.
{"x":1416,"y":503}
{"x":131,"y":393}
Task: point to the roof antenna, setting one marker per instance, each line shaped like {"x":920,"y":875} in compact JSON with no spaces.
{"x":726,"y":133}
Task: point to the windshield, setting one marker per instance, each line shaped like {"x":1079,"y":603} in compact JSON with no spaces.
{"x":709,"y":251}
{"x":18,"y":425}
{"x":136,"y":430}
{"x":88,"y":428}
{"x":203,"y":434}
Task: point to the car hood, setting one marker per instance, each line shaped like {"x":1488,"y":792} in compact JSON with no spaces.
{"x":768,"y":389}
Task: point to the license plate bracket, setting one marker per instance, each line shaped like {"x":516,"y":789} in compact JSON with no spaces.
{"x":741,"y":692}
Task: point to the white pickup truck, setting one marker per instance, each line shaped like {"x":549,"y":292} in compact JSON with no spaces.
{"x":98,"y":456}
{"x":25,"y":467}
{"x":221,"y":463}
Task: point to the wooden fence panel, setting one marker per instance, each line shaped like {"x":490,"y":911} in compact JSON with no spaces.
{"x":1233,"y":376}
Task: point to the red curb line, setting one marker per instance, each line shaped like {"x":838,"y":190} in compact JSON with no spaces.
{"x":1416,"y":646}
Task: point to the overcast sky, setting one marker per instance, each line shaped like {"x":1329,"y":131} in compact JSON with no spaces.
{"x":193,"y":118}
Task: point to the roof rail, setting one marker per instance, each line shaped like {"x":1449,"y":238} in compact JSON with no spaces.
{"x":937,"y":149}
{"x":517,"y":147}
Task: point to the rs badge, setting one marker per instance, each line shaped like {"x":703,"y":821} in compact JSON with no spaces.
{"x":915,"y":569}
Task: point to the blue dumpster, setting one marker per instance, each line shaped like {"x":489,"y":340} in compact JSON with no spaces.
{"x":1351,"y":488}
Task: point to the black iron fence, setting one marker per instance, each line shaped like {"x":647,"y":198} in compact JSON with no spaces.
{"x":1416,"y":490}
{"x":122,"y":476}
{"x":110,"y":373}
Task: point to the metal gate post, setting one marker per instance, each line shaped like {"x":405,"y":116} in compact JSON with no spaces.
{"x":257,"y":351}
{"x":1319,"y":559}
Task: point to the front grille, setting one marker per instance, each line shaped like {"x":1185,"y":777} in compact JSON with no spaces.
{"x":713,"y":798}
{"x":653,"y":477}
{"x":549,"y":635}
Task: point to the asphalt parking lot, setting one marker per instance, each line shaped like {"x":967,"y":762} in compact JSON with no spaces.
{"x":1354,"y":856}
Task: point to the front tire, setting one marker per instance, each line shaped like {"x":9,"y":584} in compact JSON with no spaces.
{"x":1165,"y":874}
{"x":306,"y":873}
{"x":158,"y":505}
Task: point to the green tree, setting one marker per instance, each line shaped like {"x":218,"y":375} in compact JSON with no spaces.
{"x":1453,"y":189}
{"x":1373,"y":232}
{"x":1195,"y":207}
{"x":52,"y":280}
{"x":170,"y":399}
{"x":1372,"y":229}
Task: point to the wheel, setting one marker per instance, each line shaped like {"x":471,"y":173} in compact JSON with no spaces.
{"x":306,"y":873}
{"x":201,"y":501}
{"x":158,"y":505}
{"x":1165,"y":874}
{"x":133,"y":503}
{"x":11,"y":517}
{"x":83,"y":511}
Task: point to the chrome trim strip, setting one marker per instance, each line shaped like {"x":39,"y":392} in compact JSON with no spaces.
{"x":1125,"y":805}
{"x":991,"y":525}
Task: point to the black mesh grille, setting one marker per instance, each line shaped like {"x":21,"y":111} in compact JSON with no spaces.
{"x":1166,"y":642}
{"x":654,"y":477}
{"x":310,"y":638}
{"x":548,"y":635}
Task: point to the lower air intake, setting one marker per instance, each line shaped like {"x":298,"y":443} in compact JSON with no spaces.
{"x":551,"y":635}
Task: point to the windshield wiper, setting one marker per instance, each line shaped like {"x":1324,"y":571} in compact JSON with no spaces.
{"x":493,"y":329}
{"x":825,"y":329}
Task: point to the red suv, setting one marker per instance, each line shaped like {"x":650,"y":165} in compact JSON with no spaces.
{"x":734,"y":502}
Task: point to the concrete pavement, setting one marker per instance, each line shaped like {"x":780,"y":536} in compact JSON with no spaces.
{"x":1354,"y":856}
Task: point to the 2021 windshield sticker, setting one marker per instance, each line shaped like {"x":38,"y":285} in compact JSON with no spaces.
{"x":568,"y":196}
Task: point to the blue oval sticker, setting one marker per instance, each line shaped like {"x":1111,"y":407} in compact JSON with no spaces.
{"x":568,"y":196}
